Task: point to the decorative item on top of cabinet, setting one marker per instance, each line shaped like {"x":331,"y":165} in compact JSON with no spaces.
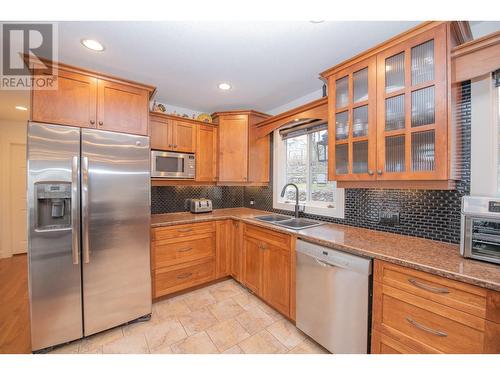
{"x":416,"y":312}
{"x":244,"y":158}
{"x":389,"y":114}
{"x":171,"y":133}
{"x":89,"y":99}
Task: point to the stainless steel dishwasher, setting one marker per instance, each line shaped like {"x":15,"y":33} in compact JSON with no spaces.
{"x":333,"y":294}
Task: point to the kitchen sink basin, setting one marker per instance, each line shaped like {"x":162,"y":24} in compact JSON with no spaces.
{"x":298,"y":223}
{"x":288,"y":222}
{"x":272,"y":218}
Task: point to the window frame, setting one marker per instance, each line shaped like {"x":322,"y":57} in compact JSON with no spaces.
{"x":279,"y":180}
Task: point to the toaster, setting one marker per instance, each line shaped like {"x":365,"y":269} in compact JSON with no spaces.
{"x":198,"y":206}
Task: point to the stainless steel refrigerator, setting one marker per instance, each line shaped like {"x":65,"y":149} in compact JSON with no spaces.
{"x":89,"y":223}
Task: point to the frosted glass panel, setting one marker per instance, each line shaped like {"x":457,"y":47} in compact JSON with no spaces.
{"x":360,"y":121}
{"x":342,"y":92}
{"x":395,"y":154}
{"x":395,"y":72}
{"x":422,"y":63}
{"x":360,"y":83}
{"x":342,"y":125}
{"x":422,"y":151}
{"x":422,"y":107}
{"x":395,"y":113}
{"x":360,"y":157}
{"x":341,"y":159}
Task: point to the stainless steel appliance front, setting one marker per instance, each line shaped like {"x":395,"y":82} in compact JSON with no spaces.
{"x":54,"y":259}
{"x":480,"y":229}
{"x":332,"y":297}
{"x":173,"y":165}
{"x":89,"y":222}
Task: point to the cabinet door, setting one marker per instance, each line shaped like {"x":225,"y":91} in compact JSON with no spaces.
{"x":122,"y":108}
{"x":223,"y":248}
{"x":259,"y":153}
{"x":353,"y":124}
{"x":382,"y":344}
{"x":252,"y":264}
{"x":412,"y":115}
{"x":184,"y":136}
{"x":276,"y":277}
{"x":161,"y":134}
{"x":237,"y":251}
{"x":73,"y":103}
{"x":233,"y":148}
{"x":206,"y":153}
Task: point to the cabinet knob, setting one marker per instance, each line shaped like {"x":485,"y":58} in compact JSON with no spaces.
{"x":370,"y":172}
{"x":379,"y":172}
{"x":175,"y":146}
{"x":92,"y":122}
{"x":100,"y":122}
{"x":170,"y":146}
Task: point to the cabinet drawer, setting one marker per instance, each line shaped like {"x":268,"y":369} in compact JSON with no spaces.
{"x":460,"y":296}
{"x":171,"y":252}
{"x":429,"y":331}
{"x":173,"y":279}
{"x":279,"y":239}
{"x":184,"y":230}
{"x":382,"y":344}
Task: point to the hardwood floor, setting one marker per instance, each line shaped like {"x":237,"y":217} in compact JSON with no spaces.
{"x":14,"y":306}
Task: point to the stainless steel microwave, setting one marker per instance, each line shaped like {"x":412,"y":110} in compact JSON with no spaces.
{"x":172,"y":165}
{"x":480,"y":237}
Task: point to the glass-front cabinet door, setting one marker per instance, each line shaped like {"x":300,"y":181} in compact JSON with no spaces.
{"x":412,"y":99}
{"x":352,"y":122}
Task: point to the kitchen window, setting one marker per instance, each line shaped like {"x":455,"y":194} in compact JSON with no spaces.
{"x":301,"y":157}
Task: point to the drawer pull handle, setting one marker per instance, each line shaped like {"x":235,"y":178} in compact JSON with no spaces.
{"x":184,"y":230}
{"x":184,"y":275}
{"x":426,"y":329}
{"x":429,"y":288}
{"x":185,"y":249}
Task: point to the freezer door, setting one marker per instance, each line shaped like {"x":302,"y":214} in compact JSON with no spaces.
{"x":53,"y":239}
{"x":115,"y":229}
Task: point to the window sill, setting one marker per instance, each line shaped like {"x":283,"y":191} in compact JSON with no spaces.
{"x":337,"y":211}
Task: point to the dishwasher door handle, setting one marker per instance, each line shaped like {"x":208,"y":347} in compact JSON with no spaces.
{"x":331,"y":264}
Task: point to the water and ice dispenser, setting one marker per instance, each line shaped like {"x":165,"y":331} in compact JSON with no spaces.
{"x":53,"y":205}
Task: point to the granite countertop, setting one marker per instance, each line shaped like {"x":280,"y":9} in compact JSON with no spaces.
{"x":426,"y":255}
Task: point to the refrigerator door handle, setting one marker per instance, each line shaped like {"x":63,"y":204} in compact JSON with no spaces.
{"x":75,"y":240}
{"x":85,"y":209}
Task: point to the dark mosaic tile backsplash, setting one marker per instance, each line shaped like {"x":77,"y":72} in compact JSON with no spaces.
{"x":432,"y":214}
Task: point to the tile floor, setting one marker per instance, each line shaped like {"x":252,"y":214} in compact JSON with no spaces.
{"x":220,"y":318}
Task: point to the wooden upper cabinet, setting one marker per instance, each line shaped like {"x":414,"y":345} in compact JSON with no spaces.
{"x":88,"y":99}
{"x":161,"y":129}
{"x":353,"y":122}
{"x":233,"y":148}
{"x":184,"y":136}
{"x":243,"y":156}
{"x":206,"y":153}
{"x":389,"y":122}
{"x":73,"y":103}
{"x":412,"y":125}
{"x":122,"y":108}
{"x":170,"y":134}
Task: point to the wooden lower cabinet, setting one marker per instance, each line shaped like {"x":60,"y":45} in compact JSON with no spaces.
{"x":267,"y":266}
{"x":224,"y":240}
{"x":237,"y":251}
{"x":415,"y":312}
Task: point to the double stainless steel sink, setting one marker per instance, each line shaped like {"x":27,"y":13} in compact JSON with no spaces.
{"x":288,"y":222}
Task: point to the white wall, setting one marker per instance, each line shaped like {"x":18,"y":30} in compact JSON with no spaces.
{"x":296,"y":102}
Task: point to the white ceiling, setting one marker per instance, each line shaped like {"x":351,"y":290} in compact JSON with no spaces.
{"x":267,"y":63}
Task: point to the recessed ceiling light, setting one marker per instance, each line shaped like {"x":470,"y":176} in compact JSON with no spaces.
{"x":317,"y":21}
{"x":21,"y":108}
{"x":92,"y":44}
{"x":224,"y":86}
